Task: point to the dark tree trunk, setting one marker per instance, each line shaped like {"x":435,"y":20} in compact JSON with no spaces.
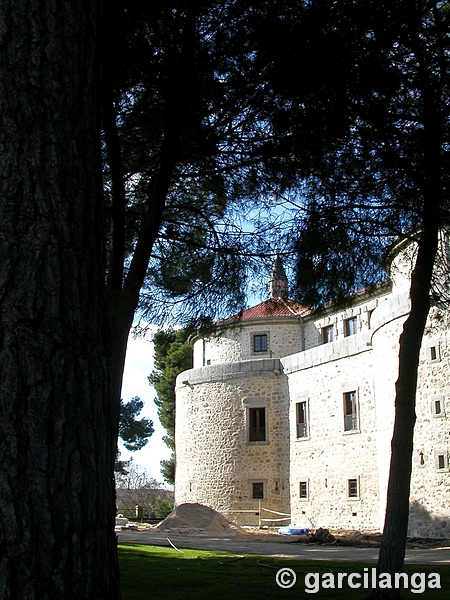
{"x":392,"y":551}
{"x":434,"y":111}
{"x":124,"y":288}
{"x":57,"y":444}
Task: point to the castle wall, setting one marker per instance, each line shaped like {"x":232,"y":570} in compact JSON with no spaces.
{"x":387,"y":323}
{"x":234,"y":344}
{"x":430,"y":480}
{"x":317,"y":467}
{"x":217,"y":464}
{"x":329,"y":456}
{"x":430,"y":485}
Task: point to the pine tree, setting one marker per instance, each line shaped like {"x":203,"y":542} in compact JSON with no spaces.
{"x":173,"y":355}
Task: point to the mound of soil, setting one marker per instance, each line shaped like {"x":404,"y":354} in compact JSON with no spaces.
{"x":196,"y":518}
{"x":369,"y":540}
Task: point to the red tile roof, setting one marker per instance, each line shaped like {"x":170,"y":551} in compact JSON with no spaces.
{"x":274,"y":307}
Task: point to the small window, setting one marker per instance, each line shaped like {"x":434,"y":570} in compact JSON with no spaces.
{"x":350,"y":411}
{"x":260,"y":343}
{"x":350,"y":326}
{"x":353,"y":488}
{"x":437,"y":406}
{"x":303,"y":491}
{"x":328,"y":334}
{"x":441,"y":460}
{"x":433,"y":353}
{"x":257,"y":424}
{"x":369,"y":318}
{"x":302,"y":419}
{"x":258,"y":490}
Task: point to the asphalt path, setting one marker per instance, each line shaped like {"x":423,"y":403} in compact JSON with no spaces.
{"x":284,"y":547}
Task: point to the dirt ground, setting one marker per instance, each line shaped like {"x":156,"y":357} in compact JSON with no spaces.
{"x":196,"y":519}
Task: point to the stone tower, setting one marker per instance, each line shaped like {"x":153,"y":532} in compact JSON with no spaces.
{"x":278,"y":282}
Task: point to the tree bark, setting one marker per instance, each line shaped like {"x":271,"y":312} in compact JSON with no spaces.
{"x":434,"y":109}
{"x":392,"y":550}
{"x":57,"y":444}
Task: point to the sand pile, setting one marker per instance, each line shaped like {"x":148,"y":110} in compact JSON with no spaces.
{"x":196,"y":518}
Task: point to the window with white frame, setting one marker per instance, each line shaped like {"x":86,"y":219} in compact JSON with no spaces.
{"x":437,"y":406}
{"x":350,"y":326}
{"x":301,"y":409}
{"x":433,"y":352}
{"x":351,"y":411}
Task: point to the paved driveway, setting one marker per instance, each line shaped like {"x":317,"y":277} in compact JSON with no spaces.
{"x":283,"y":547}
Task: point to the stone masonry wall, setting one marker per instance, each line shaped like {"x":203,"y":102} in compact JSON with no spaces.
{"x":329,"y":456}
{"x":430,"y":480}
{"x":430,"y":485}
{"x":216,"y":463}
{"x":235,"y":344}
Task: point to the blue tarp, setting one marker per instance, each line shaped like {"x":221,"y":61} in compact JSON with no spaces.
{"x":289,"y":530}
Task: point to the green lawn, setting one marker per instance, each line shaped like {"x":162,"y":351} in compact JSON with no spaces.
{"x":153,"y":572}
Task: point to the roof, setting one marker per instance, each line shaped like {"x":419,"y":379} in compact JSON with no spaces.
{"x":274,"y":307}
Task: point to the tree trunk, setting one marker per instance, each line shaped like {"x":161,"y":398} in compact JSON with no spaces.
{"x":57,"y":444}
{"x":392,"y":551}
{"x":124,"y":289}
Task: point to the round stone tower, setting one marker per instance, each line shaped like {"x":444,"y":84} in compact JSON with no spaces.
{"x":232,"y":410}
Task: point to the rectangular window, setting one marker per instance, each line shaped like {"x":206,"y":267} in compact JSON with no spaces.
{"x":350,"y":326}
{"x":327,"y":334}
{"x":257,"y":424}
{"x":441,"y":461}
{"x":302,"y":419}
{"x":350,"y":411}
{"x":434,"y":353}
{"x":258,"y":490}
{"x":303,"y":490}
{"x":437,"y":406}
{"x":353,"y":488}
{"x":260,"y":342}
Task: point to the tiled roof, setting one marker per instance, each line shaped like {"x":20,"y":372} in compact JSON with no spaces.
{"x":274,"y":307}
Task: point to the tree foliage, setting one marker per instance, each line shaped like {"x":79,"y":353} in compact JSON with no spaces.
{"x":172,"y":355}
{"x":387,"y":84}
{"x":134,"y":432}
{"x":380,"y":170}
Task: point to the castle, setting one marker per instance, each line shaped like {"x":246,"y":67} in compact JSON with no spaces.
{"x":292,"y":410}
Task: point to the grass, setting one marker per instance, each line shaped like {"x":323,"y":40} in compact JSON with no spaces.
{"x":162,"y":573}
